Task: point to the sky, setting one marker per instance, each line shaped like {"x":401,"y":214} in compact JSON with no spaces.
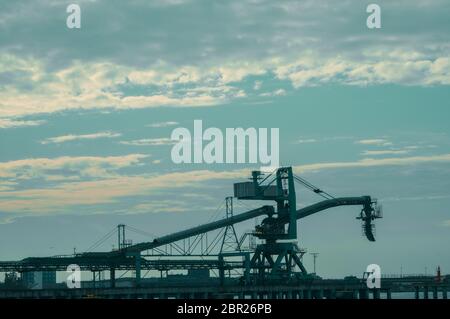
{"x":86,"y":117}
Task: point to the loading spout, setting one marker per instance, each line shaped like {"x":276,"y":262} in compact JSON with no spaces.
{"x":369,"y":212}
{"x":335,"y":202}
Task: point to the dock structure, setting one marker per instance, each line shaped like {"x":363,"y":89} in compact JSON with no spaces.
{"x":321,"y":289}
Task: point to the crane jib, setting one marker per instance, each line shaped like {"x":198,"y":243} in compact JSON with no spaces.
{"x":265,"y":210}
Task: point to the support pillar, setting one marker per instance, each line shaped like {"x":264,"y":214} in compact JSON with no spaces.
{"x":444,"y":292}
{"x":416,"y":293}
{"x":363,"y":294}
{"x":425,"y":292}
{"x":435,"y":292}
{"x":388,"y":294}
{"x":221,"y":270}
{"x":376,"y":293}
{"x":320,"y":294}
{"x":333,"y":294}
{"x":307,"y":294}
{"x":112,"y":277}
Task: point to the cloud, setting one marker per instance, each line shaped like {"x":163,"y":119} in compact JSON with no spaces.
{"x":384,"y":152}
{"x":104,"y":85}
{"x":370,"y":162}
{"x":308,"y":43}
{"x":257,"y":85}
{"x":149,"y":142}
{"x":373,"y":71}
{"x":446,"y":223}
{"x":61,"y":197}
{"x":414,"y":198}
{"x":86,"y":166}
{"x":376,"y":142}
{"x":71,"y":137}
{"x":161,"y":206}
{"x":163,"y":124}
{"x":306,"y":141}
{"x":279,"y":92}
{"x":11,"y":123}
{"x":170,"y":206}
{"x":236,"y":30}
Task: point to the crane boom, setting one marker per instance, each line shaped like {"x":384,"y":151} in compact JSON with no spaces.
{"x":265,"y":210}
{"x":164,"y":240}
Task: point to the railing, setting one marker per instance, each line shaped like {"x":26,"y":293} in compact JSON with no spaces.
{"x":392,"y":276}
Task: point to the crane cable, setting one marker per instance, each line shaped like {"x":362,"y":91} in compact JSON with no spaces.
{"x":101,"y":240}
{"x":315,"y":189}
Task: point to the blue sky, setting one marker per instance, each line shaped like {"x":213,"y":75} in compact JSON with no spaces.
{"x":86,"y":117}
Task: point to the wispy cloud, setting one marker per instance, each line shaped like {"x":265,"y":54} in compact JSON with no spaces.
{"x":87,"y":166}
{"x":163,"y":124}
{"x":12,"y":123}
{"x":279,"y":92}
{"x":414,"y":198}
{"x":384,"y":152}
{"x":257,"y":85}
{"x":370,"y":162}
{"x":161,"y":206}
{"x":306,"y":141}
{"x":72,"y":137}
{"x":149,"y":142}
{"x":375,"y":141}
{"x":61,"y":197}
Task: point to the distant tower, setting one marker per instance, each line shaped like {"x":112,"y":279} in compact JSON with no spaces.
{"x":230,"y":240}
{"x":438,"y":274}
{"x":315,"y":255}
{"x":121,"y":236}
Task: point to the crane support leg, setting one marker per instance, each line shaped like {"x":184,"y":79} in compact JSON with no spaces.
{"x":277,"y":260}
{"x":138,"y":269}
